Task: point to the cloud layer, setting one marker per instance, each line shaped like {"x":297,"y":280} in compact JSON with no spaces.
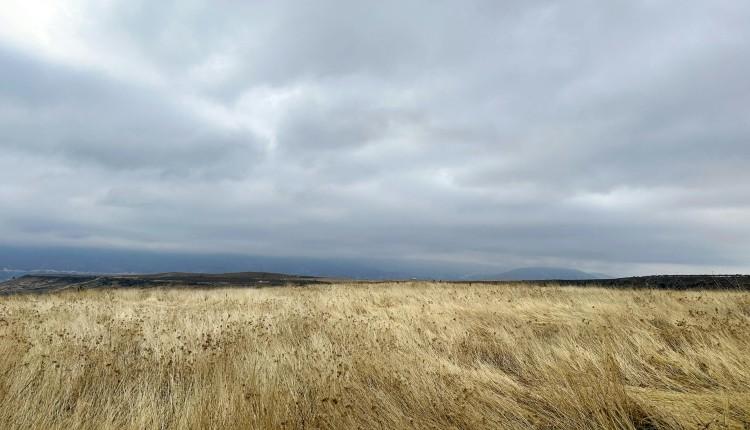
{"x":610,"y":137}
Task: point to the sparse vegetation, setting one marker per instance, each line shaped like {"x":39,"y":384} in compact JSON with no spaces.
{"x":387,"y":356}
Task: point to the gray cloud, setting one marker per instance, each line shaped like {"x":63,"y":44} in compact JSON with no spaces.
{"x":612,"y":137}
{"x":89,"y":119}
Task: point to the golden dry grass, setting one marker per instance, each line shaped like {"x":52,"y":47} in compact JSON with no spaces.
{"x":376,"y":356}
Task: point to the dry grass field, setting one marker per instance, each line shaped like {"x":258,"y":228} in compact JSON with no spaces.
{"x":380,"y":356}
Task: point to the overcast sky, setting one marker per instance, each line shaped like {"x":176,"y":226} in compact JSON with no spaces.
{"x":606,"y":136}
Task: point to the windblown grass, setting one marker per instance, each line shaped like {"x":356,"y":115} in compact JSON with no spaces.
{"x":376,"y":356}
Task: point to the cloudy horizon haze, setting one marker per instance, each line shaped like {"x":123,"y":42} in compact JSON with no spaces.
{"x":610,"y":137}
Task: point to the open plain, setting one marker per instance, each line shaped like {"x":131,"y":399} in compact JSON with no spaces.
{"x":390,"y":356}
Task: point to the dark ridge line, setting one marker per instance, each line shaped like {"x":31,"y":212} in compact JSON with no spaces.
{"x":35,"y":283}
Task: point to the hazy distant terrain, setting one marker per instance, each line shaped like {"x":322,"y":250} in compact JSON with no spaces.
{"x":21,"y":260}
{"x":543,"y":273}
{"x":9,"y":274}
{"x":46,"y":283}
{"x":346,"y":356}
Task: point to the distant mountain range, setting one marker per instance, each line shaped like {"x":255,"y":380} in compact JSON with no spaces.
{"x":542,"y":274}
{"x":17,"y":261}
{"x":521,"y":274}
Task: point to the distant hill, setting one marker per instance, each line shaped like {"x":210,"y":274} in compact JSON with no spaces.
{"x":16,"y":261}
{"x":6,"y":274}
{"x":54,"y":282}
{"x":20,"y":260}
{"x":542,"y":274}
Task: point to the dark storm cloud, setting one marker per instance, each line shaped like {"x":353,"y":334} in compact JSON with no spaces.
{"x":613,"y":137}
